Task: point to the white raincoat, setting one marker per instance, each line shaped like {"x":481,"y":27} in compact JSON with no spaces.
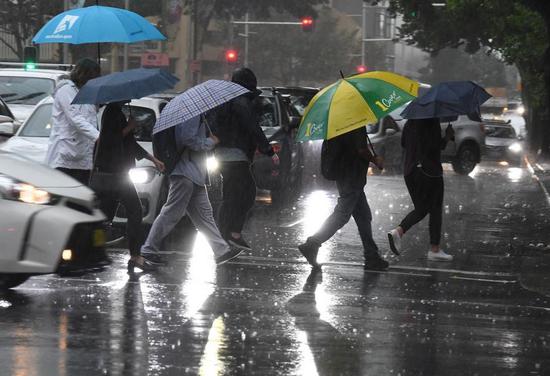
{"x":74,"y":130}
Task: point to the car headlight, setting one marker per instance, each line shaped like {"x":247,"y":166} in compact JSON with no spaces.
{"x":520,"y":110}
{"x":141,"y":175}
{"x":13,"y":189}
{"x":515,"y":147}
{"x":212,"y":164}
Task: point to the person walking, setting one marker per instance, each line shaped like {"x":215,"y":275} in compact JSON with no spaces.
{"x":74,"y":127}
{"x":116,"y":152}
{"x":422,"y":143}
{"x":187,"y":193}
{"x":240,"y":135}
{"x":350,"y":157}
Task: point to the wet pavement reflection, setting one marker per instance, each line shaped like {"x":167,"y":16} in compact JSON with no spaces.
{"x":267,"y":313}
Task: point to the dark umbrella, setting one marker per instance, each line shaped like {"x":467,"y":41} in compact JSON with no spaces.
{"x":122,"y":86}
{"x":448,"y":99}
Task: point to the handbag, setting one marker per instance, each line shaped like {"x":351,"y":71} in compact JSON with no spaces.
{"x":101,"y":182}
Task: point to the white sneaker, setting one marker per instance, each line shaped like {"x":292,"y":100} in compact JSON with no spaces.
{"x":395,"y":241}
{"x":439,"y":256}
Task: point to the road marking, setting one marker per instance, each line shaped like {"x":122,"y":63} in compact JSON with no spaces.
{"x":532,"y":171}
{"x":454,"y":271}
{"x":485,"y":280}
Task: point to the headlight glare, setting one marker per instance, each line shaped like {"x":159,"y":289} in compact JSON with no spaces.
{"x":212,"y":164}
{"x":141,"y":175}
{"x":515,"y":147}
{"x":13,"y":189}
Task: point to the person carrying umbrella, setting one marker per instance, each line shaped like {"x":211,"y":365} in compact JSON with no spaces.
{"x":423,"y":173}
{"x":339,"y":114}
{"x":423,"y":143}
{"x":116,"y":153}
{"x":74,"y":127}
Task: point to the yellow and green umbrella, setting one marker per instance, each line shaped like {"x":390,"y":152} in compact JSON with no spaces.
{"x":354,"y":102}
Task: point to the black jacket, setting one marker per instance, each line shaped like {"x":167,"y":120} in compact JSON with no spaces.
{"x":422,"y":143}
{"x":236,"y":125}
{"x":115,"y":153}
{"x":354,"y":164}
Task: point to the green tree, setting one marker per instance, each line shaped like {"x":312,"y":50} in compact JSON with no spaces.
{"x":285,"y":55}
{"x":21,"y":19}
{"x":519,"y":30}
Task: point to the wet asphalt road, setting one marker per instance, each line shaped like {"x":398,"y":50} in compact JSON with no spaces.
{"x":485,"y":313}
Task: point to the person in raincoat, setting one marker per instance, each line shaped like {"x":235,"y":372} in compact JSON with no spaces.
{"x":74,"y":127}
{"x":353,"y":156}
{"x":116,"y":153}
{"x":237,"y":127}
{"x":422,"y":144}
{"x":187,"y":194}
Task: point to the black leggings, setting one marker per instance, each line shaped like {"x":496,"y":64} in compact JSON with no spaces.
{"x":427,"y":195}
{"x":239,"y":195}
{"x":82,"y":176}
{"x":128,"y":197}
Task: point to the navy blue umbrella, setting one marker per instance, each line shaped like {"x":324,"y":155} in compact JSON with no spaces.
{"x":448,"y":99}
{"x":123,"y":86}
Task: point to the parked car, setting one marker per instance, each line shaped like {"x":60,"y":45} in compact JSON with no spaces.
{"x":8,"y":123}
{"x":502,"y":143}
{"x":22,"y":89}
{"x":51,"y":222}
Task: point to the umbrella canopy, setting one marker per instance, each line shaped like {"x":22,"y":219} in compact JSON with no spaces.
{"x":97,"y":24}
{"x":354,"y":102}
{"x":121,"y":86}
{"x":448,"y":99}
{"x":196,"y":101}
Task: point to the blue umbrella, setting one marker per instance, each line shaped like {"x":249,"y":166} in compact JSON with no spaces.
{"x":121,"y":86}
{"x":196,"y":101}
{"x":448,"y":99}
{"x":97,"y":24}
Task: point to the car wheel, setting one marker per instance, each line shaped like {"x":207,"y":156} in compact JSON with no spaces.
{"x":466,"y":159}
{"x":7,"y":281}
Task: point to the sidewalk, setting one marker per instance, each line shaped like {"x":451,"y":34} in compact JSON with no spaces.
{"x":535,"y":259}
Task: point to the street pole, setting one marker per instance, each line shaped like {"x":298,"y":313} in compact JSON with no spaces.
{"x":363,"y":32}
{"x":125,"y":59}
{"x":65,"y":45}
{"x":195,"y":77}
{"x":246,"y":35}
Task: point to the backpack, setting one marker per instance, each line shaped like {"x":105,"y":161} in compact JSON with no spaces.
{"x":330,"y":160}
{"x":166,"y":149}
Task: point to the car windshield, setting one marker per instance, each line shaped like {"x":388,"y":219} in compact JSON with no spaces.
{"x":40,"y":122}
{"x":267,"y":108}
{"x":25,"y":90}
{"x":499,"y":131}
{"x":145,"y":118}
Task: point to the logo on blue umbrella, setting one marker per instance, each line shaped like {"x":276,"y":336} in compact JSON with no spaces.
{"x":65,"y":24}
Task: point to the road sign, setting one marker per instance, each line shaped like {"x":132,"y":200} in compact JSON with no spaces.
{"x":155,"y":59}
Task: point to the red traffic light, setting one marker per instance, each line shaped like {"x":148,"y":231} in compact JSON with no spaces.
{"x":307,"y":23}
{"x":361,"y":68}
{"x":231,"y":56}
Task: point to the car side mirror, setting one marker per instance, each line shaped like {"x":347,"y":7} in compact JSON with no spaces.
{"x":294,"y":122}
{"x":390,"y":132}
{"x":7,"y":126}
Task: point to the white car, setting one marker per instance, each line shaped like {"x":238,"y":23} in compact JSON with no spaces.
{"x":50,"y":222}
{"x":31,"y":140}
{"x":22,"y":89}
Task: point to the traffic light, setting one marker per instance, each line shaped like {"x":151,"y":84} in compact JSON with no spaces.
{"x":307,"y":23}
{"x":231,"y":56}
{"x":30,"y":54}
{"x":361,"y":68}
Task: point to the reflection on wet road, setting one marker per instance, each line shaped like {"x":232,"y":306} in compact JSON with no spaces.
{"x":267,"y":314}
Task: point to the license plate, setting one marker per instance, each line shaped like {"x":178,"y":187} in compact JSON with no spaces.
{"x":99,"y":238}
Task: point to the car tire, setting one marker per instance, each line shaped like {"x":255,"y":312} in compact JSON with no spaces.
{"x":7,"y":281}
{"x":466,"y":159}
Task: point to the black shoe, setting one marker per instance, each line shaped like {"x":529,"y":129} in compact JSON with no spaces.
{"x":154,"y":258}
{"x":309,"y":251}
{"x":376,"y":263}
{"x":239,"y":243}
{"x":147,"y":266}
{"x":229,"y":255}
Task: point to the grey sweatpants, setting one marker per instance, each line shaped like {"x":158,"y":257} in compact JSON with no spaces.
{"x":185,"y":197}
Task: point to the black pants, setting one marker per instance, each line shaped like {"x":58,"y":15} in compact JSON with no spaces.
{"x":427,"y":195}
{"x":82,"y":176}
{"x":125,"y":194}
{"x":239,"y":195}
{"x":351,"y":202}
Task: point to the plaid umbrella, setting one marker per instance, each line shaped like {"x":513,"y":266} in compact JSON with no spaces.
{"x":196,"y":101}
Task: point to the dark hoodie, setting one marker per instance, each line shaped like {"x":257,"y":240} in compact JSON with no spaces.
{"x":236,"y":123}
